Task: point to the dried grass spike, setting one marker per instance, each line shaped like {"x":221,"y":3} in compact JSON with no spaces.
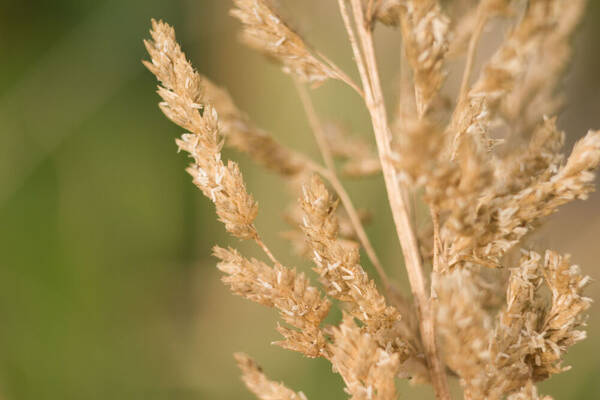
{"x":265,"y":31}
{"x":465,"y":327}
{"x":425,"y":34}
{"x":299,"y":304}
{"x":368,"y":371}
{"x":344,"y":278}
{"x":260,"y":385}
{"x":184,"y":104}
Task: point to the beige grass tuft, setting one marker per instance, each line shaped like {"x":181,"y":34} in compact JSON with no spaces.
{"x":488,"y":164}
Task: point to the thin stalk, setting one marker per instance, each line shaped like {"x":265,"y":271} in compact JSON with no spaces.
{"x":405,"y":97}
{"x":341,"y":75}
{"x":437,"y":247}
{"x":464,"y":86}
{"x":400,"y":211}
{"x":266,"y":250}
{"x":315,"y":125}
{"x":332,"y":177}
{"x":475,"y":36}
{"x":371,"y":9}
{"x":358,"y":57}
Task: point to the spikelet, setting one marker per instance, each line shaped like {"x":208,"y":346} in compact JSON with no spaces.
{"x":495,"y":219}
{"x":300,"y":305}
{"x":294,"y":217}
{"x":171,"y":68}
{"x":340,"y":272}
{"x":466,"y":18}
{"x":534,"y":95}
{"x":464,"y":326}
{"x":260,"y":385}
{"x":368,"y":371}
{"x":417,"y":150}
{"x":564,"y":317}
{"x":476,"y":115}
{"x":265,"y":31}
{"x":537,"y":161}
{"x":425,"y":38}
{"x":512,"y":59}
{"x":198,"y":90}
{"x":573,"y":181}
{"x":532,"y":334}
{"x":183,"y":104}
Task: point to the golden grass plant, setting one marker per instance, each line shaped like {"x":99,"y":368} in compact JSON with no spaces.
{"x":488,"y":164}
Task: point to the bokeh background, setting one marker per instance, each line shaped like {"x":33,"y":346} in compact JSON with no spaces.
{"x":107,"y":287}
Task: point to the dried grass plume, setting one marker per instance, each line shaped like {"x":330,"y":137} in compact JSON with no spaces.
{"x":487,"y":306}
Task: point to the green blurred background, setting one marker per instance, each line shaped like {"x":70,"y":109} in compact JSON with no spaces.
{"x":107,"y":287}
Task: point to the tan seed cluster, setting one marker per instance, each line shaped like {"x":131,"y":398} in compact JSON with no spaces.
{"x":368,"y":371}
{"x":183,"y":103}
{"x":425,"y":32}
{"x":541,"y":319}
{"x":340,"y":272}
{"x":265,"y":31}
{"x":299,"y":304}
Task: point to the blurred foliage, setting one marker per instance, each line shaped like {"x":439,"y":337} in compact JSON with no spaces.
{"x":107,"y":289}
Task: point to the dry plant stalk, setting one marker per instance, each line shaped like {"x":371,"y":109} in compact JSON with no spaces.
{"x":489,"y":166}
